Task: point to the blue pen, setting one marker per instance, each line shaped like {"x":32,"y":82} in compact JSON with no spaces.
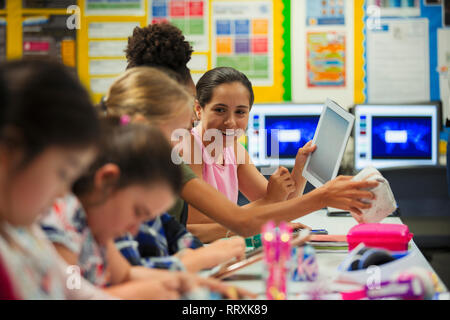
{"x":319,"y":231}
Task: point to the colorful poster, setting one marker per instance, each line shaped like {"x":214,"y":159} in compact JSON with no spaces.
{"x":114,"y":7}
{"x":242,"y":36}
{"x":325,"y":12}
{"x":191,"y":16}
{"x":325,"y":59}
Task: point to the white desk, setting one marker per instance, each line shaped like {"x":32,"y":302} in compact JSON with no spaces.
{"x":327,"y":262}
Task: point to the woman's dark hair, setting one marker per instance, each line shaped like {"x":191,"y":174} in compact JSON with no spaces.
{"x":217,"y":76}
{"x":160,"y":45}
{"x":42,"y":105}
{"x":141,"y":152}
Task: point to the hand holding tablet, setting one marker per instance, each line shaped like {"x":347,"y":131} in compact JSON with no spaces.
{"x":332,"y":133}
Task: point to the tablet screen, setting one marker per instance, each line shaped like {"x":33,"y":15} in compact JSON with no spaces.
{"x":330,"y":138}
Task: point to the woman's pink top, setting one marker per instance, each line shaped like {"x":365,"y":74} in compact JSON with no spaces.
{"x":222,"y":177}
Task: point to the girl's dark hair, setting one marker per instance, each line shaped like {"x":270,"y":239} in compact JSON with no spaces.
{"x":217,"y":76}
{"x":43,"y":104}
{"x":160,"y":45}
{"x":141,"y":152}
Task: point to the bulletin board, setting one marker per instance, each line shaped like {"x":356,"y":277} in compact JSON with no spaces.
{"x":334,"y":51}
{"x":250,"y":41}
{"x":322,"y":51}
{"x":254,"y":43}
{"x":32,"y":27}
{"x":418,"y":74}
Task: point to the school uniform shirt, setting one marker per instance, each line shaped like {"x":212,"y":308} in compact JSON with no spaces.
{"x":223,"y":177}
{"x":30,"y":264}
{"x":180,"y":209}
{"x":156,"y":243}
{"x":36,"y":271}
{"x":66,"y":224}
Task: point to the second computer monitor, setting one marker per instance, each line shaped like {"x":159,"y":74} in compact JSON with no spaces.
{"x":286,"y":127}
{"x":396,"y":135}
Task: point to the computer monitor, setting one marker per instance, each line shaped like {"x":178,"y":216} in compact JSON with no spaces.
{"x":396,"y":135}
{"x":287,"y":127}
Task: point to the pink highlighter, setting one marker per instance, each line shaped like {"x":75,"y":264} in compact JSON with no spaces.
{"x":277,"y":254}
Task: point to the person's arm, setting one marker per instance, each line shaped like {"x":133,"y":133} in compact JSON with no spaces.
{"x":247,"y":221}
{"x":208,"y":232}
{"x":212,"y":255}
{"x":67,"y":255}
{"x":122,"y":271}
{"x":81,"y":289}
{"x":252,"y":183}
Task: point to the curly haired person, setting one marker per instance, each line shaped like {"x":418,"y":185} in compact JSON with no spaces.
{"x":163,"y":46}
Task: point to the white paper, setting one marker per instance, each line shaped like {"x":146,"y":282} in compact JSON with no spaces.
{"x":110,"y":48}
{"x":198,"y":62}
{"x":444,"y":62}
{"x":101,"y":85}
{"x":258,"y":63}
{"x":107,"y":67}
{"x":114,"y":7}
{"x":196,"y":76}
{"x":111,"y":30}
{"x":398,"y":62}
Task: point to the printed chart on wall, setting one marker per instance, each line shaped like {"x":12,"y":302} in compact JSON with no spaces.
{"x":242,"y":38}
{"x":398,"y":61}
{"x":106,"y":52}
{"x":325,"y":12}
{"x":326,"y":59}
{"x":191,"y":16}
{"x":114,"y":7}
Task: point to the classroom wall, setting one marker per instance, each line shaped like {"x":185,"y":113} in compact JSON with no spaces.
{"x":280,"y":44}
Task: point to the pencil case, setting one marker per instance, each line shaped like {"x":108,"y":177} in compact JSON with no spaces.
{"x":393,"y":237}
{"x":384,"y":203}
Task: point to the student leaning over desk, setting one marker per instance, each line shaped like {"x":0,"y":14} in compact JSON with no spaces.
{"x":43,"y":148}
{"x":131,"y":180}
{"x":246,"y":220}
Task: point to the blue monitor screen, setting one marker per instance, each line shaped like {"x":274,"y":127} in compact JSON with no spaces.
{"x":294,"y":132}
{"x":401,"y":137}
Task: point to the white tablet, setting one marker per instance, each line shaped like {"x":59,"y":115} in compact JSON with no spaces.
{"x":331,"y":136}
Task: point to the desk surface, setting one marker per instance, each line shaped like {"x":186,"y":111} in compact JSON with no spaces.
{"x":327,"y":262}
